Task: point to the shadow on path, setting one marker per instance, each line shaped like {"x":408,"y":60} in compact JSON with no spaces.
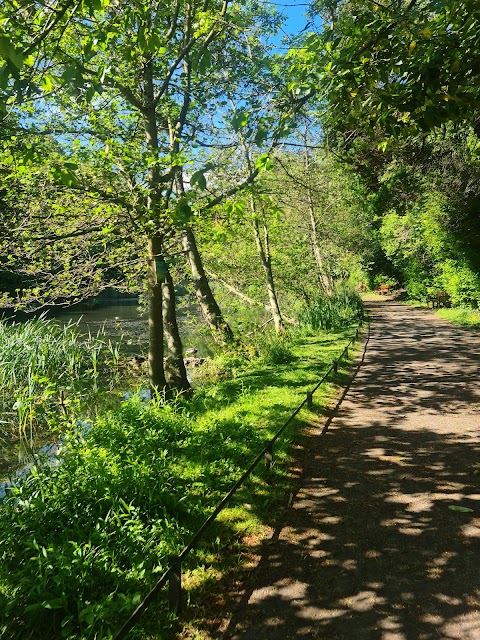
{"x":371,"y":548}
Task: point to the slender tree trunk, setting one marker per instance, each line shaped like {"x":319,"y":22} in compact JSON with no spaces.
{"x":210,"y":309}
{"x":175,"y":372}
{"x":322,"y":277}
{"x":155,"y":319}
{"x":265,"y":259}
{"x":158,"y":307}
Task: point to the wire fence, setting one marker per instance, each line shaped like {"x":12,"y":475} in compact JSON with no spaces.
{"x":173,"y":574}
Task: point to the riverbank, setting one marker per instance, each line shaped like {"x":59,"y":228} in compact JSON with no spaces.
{"x":132,"y":491}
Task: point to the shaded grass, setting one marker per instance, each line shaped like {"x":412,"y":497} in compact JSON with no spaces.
{"x":96,"y":530}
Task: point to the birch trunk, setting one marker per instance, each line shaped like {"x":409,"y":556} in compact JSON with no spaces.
{"x":263,"y":249}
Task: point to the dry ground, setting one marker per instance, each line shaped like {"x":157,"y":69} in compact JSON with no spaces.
{"x":371,"y":547}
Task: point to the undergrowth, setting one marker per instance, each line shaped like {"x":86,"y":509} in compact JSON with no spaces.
{"x":338,"y":309}
{"x":464,"y":317}
{"x":82,"y":540}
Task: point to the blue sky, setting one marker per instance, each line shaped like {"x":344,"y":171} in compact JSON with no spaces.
{"x":295,"y":19}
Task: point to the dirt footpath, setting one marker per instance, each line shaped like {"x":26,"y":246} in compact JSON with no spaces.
{"x":382,"y":541}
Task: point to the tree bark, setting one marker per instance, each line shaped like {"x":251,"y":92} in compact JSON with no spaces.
{"x":211,"y":311}
{"x":175,"y":372}
{"x":266,"y":261}
{"x":322,"y":277}
{"x":155,"y":320}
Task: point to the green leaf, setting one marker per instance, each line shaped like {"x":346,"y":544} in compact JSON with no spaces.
{"x":239,"y":120}
{"x":204,"y":62}
{"x":453,"y":507}
{"x":8,"y":52}
{"x":261,"y":135}
{"x":64,"y":175}
{"x":198,"y":179}
{"x":47,"y":83}
{"x":183,"y":212}
{"x":264,"y":162}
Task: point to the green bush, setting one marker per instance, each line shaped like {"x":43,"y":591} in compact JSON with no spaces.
{"x":337,"y":310}
{"x":81,"y":540}
{"x":275,"y":350}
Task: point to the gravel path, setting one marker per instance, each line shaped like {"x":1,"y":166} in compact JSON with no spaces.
{"x":375,"y":546}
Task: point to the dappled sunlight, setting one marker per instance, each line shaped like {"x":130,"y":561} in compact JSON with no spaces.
{"x":381,"y":542}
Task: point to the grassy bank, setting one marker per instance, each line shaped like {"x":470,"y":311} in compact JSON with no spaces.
{"x":461,"y":316}
{"x":82,"y":542}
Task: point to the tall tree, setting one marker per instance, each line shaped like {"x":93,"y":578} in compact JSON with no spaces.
{"x":134,"y":74}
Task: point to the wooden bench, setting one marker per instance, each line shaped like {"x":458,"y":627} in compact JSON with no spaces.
{"x":383,"y":290}
{"x":440,"y":299}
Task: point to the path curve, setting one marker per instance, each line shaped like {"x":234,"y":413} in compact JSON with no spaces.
{"x":370,"y":548}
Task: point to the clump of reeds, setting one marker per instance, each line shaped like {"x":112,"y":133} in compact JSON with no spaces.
{"x":45,"y":366}
{"x":340,"y":308}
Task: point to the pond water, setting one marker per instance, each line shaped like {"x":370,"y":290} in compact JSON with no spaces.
{"x":127,"y":323}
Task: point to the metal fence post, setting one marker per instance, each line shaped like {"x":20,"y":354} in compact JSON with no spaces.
{"x":335,"y":366}
{"x":175,"y":584}
{"x":346,"y":353}
{"x":268,"y":454}
{"x":309,"y":400}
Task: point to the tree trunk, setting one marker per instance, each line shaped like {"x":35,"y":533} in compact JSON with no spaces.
{"x":265,"y":259}
{"x":322,"y":277}
{"x":175,"y":372}
{"x":155,"y":319}
{"x":210,"y":309}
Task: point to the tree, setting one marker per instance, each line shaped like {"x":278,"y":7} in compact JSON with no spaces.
{"x":400,"y":66}
{"x":136,"y":78}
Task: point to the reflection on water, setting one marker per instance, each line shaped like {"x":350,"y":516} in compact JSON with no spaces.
{"x":129,"y":323}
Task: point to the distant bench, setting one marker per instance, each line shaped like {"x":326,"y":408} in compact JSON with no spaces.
{"x":383,"y":290}
{"x":440,"y":299}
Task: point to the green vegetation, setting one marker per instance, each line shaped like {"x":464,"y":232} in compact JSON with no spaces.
{"x":167,"y":148}
{"x":96,"y":529}
{"x":49,"y":372}
{"x":342,"y":307}
{"x":461,"y":316}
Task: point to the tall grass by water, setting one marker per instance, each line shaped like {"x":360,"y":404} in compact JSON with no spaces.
{"x":338,"y":309}
{"x":47,"y":371}
{"x":96,"y":529}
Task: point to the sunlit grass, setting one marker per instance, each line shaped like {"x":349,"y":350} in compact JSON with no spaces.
{"x":461,"y":316}
{"x":96,"y":530}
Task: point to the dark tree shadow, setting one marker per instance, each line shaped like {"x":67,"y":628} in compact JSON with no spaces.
{"x":371,"y":548}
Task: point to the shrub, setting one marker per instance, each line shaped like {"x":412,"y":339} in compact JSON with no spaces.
{"x":79,"y":540}
{"x":275,"y":350}
{"x":334,"y":311}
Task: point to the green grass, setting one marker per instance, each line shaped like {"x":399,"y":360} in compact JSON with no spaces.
{"x":48,"y":373}
{"x":82,"y":542}
{"x":461,"y":316}
{"x":338,"y":309}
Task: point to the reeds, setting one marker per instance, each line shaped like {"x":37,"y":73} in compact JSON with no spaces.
{"x":339,"y":309}
{"x":44,"y":367}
